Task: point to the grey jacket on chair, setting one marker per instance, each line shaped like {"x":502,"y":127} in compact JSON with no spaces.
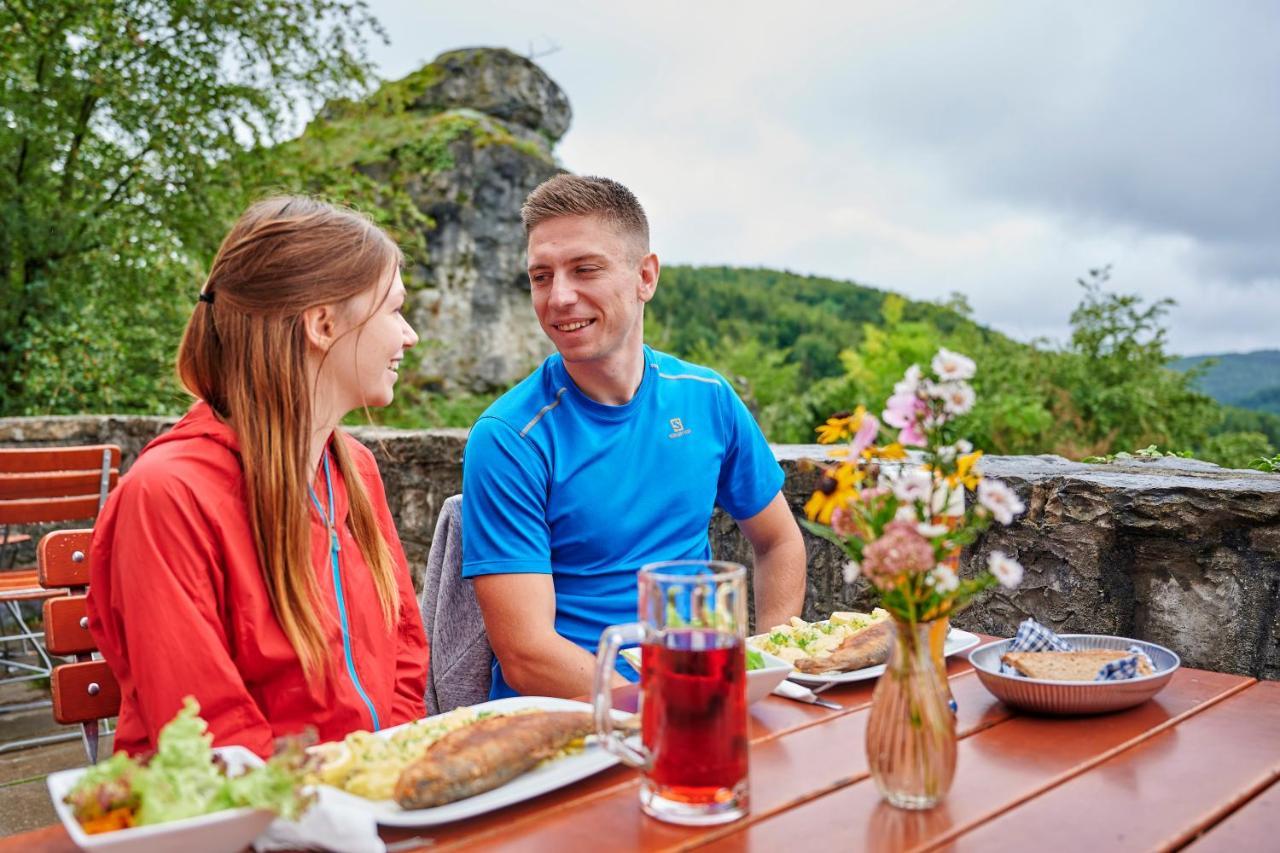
{"x":460,"y":654}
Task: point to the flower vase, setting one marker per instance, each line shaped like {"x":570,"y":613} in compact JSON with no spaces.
{"x":911,"y":734}
{"x":938,"y":648}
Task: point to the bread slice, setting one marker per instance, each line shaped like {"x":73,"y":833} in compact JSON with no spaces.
{"x":1068,"y":666}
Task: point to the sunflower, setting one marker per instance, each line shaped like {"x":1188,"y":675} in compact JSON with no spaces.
{"x":839,"y":485}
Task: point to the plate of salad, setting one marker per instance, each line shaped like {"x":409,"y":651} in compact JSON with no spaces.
{"x":187,"y":796}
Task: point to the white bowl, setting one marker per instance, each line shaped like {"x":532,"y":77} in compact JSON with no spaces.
{"x":231,"y":829}
{"x":760,"y":682}
{"x":1074,"y":697}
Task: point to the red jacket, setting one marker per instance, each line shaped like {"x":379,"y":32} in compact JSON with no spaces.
{"x":178,"y":606}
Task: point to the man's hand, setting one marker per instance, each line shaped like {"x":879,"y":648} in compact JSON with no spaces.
{"x":778,"y":549}
{"x":520,"y":619}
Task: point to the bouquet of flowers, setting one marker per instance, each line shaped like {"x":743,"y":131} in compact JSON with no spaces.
{"x":903,"y":517}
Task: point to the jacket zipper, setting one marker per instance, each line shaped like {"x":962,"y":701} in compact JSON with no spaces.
{"x":334,"y":548}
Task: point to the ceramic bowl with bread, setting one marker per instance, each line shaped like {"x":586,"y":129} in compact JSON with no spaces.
{"x":1061,"y":682}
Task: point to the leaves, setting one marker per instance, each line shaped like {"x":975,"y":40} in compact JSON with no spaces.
{"x":114,"y":121}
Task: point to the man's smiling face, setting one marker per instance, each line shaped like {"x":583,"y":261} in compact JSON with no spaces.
{"x":589,"y":284}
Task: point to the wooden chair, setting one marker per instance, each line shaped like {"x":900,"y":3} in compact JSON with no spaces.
{"x":85,"y":691}
{"x":40,"y":486}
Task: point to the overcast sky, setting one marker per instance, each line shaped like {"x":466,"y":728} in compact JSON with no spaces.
{"x":999,"y":149}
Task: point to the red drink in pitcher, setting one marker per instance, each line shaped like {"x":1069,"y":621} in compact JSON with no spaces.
{"x":695,"y":716}
{"x":693,"y":679}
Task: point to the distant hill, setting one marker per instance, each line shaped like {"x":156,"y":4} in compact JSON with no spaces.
{"x":810,"y":318}
{"x":1249,"y":380}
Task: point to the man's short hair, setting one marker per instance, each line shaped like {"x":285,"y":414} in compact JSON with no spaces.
{"x":574,"y":195}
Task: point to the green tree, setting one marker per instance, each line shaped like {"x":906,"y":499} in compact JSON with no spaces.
{"x":1122,"y":391}
{"x":115,"y":118}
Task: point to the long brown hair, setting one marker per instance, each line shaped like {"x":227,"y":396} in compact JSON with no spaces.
{"x":244,"y":353}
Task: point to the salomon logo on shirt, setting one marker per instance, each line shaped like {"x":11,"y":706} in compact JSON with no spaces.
{"x":677,"y":428}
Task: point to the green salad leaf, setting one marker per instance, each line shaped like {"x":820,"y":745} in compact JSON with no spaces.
{"x":755,"y":660}
{"x":183,"y":779}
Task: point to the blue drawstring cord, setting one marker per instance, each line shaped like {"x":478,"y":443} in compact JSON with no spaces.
{"x":334,"y":548}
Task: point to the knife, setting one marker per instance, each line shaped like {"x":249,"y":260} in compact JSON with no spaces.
{"x":791,"y":690}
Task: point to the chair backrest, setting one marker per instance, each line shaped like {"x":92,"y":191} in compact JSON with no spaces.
{"x":84,"y":691}
{"x":50,"y":484}
{"x":461,"y":659}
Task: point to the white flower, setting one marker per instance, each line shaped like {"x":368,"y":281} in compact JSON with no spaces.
{"x":1006,"y":569}
{"x":964,"y":447}
{"x":910,"y":381}
{"x":957,"y":397}
{"x":1000,"y":500}
{"x":950,"y":365}
{"x":932,"y":531}
{"x":947,"y":500}
{"x":943,"y":578}
{"x":912,"y":486}
{"x":906,"y":513}
{"x":851,"y":571}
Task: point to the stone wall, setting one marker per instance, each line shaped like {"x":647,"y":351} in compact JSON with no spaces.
{"x":1174,"y":551}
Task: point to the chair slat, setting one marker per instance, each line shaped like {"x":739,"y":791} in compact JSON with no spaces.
{"x":58,"y":484}
{"x":23,"y":585}
{"x":42,"y":510}
{"x":66,"y":626}
{"x":72,"y":701}
{"x":17,"y":460}
{"x":63,"y":558}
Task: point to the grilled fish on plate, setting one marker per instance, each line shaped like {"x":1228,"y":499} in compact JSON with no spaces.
{"x":487,"y":754}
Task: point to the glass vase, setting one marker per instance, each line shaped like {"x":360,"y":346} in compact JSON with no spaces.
{"x":911,"y":735}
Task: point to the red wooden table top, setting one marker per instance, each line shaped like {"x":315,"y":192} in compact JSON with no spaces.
{"x":1198,"y":764}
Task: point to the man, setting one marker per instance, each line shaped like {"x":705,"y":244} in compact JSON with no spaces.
{"x":609,"y":456}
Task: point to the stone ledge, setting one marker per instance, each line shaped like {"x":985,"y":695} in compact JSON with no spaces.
{"x":1175,"y":551}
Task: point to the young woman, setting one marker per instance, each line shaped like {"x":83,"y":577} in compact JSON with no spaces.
{"x":248,"y":558}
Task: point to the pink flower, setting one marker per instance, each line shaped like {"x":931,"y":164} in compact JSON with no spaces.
{"x":842,"y":522}
{"x":911,"y":436}
{"x":899,"y":550}
{"x":866,"y":435}
{"x":903,"y":409}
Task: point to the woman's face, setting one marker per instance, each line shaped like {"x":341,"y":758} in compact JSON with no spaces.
{"x":362,"y":365}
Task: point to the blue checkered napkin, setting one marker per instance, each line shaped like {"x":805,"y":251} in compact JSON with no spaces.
{"x":1034,"y":637}
{"x":1122,"y":668}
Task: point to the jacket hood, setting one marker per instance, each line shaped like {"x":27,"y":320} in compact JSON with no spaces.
{"x":199,"y":424}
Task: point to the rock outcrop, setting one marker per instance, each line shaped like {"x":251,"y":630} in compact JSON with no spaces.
{"x":443,"y":158}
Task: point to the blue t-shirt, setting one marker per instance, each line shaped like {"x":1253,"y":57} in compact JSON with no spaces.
{"x":556,"y":483}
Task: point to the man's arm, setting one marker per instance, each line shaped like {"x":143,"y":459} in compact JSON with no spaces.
{"x":779,"y":562}
{"x":519,"y":616}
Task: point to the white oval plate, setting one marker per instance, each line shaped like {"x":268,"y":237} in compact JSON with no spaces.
{"x":539,"y":780}
{"x":957,"y":641}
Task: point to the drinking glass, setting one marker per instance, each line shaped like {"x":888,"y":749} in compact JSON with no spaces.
{"x":692,"y":633}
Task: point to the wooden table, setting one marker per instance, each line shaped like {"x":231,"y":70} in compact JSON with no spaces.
{"x":1198,"y":765}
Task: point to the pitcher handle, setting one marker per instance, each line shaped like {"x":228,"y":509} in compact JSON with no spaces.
{"x":612,"y":639}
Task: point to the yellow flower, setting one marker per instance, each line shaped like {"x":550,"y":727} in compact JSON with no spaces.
{"x":892,"y":451}
{"x":840,"y":426}
{"x":839,"y":485}
{"x":964,"y":470}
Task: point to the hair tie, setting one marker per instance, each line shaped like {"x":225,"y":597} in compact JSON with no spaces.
{"x":206,"y":297}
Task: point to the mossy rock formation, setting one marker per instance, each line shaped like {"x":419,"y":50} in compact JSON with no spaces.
{"x":443,"y":159}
